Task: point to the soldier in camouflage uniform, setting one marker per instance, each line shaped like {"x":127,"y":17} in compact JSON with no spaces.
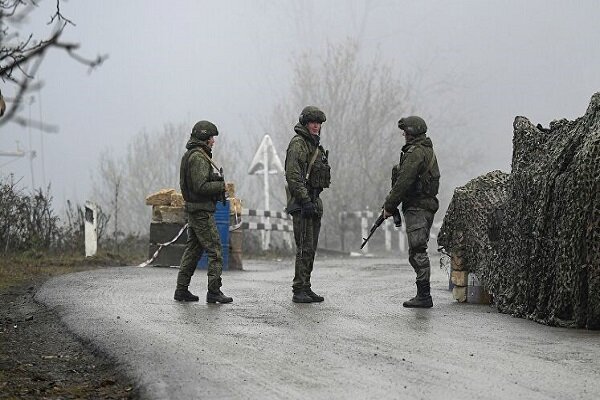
{"x":201,"y":188}
{"x":307,"y":173}
{"x":415,"y":184}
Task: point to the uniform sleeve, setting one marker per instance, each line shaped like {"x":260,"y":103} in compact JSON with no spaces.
{"x":294,"y":172}
{"x":200,"y":170}
{"x":407,"y":173}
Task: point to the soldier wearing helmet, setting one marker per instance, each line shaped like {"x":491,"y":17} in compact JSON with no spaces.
{"x":307,"y":173}
{"x":201,"y":187}
{"x":415,"y":184}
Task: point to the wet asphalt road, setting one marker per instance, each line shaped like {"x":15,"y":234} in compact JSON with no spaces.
{"x":360,"y":343}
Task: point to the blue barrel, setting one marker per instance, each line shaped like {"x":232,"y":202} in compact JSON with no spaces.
{"x":222,"y":220}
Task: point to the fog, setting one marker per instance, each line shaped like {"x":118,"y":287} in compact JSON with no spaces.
{"x":479,"y":63}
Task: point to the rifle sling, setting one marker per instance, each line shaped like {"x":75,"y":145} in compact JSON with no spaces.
{"x":312,"y":162}
{"x":208,"y":158}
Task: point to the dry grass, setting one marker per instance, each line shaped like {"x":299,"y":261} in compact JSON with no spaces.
{"x":20,"y":268}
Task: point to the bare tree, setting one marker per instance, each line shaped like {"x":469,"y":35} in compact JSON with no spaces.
{"x":362,"y":99}
{"x":22,"y":54}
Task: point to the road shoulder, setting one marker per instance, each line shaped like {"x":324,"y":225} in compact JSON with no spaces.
{"x":41,"y":358}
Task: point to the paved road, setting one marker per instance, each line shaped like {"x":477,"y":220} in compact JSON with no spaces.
{"x":359,"y":344}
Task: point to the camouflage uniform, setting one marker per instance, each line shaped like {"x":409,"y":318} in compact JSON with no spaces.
{"x":301,"y":191}
{"x":201,"y":188}
{"x":415,"y":184}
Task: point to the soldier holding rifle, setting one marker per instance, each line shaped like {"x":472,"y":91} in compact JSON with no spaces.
{"x":415,"y":184}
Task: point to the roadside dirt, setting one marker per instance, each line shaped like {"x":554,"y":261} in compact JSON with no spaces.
{"x":39,"y":358}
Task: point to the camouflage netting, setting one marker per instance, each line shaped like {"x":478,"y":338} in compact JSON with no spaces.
{"x":538,"y":250}
{"x":467,"y":221}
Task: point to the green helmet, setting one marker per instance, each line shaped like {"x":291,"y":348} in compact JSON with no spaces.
{"x":203,"y":130}
{"x":413,"y":125}
{"x":311,"y":114}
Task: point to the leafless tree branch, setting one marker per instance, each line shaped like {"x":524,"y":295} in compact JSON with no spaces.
{"x":20,"y":60}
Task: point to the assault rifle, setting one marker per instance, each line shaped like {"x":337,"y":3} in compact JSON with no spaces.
{"x":379,"y":221}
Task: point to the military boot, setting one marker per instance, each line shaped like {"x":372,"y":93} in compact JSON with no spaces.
{"x":301,"y":297}
{"x":314,"y":297}
{"x":217,"y":297}
{"x":423,"y":297}
{"x":183,"y":294}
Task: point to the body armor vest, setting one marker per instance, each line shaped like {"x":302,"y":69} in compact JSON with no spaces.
{"x":319,"y":176}
{"x":185,"y":180}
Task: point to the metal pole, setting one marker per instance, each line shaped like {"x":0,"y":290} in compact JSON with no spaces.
{"x":267,"y":233}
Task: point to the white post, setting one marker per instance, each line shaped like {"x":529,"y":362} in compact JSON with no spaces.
{"x":387,"y":226}
{"x":91,"y":229}
{"x":266,"y":235}
{"x":401,"y":241}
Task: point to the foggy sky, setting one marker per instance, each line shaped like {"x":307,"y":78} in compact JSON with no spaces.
{"x":230,"y":62}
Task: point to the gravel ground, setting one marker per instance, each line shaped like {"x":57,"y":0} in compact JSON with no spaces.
{"x":40,"y":358}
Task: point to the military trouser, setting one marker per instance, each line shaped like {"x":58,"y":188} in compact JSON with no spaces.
{"x":306,"y":235}
{"x":202,"y":236}
{"x":418,"y":225}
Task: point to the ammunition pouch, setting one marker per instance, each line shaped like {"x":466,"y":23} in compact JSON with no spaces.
{"x":214,"y":177}
{"x":428,"y":182}
{"x":320,"y":174}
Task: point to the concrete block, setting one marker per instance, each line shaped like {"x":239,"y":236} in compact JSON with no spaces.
{"x":460,"y":293}
{"x":459,"y":278}
{"x":457,"y":262}
{"x":168,"y":214}
{"x":168,"y":256}
{"x":163,"y":232}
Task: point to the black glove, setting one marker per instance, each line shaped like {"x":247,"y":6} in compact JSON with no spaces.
{"x":222,"y":194}
{"x":397,"y":219}
{"x":218,"y":178}
{"x":308,"y":210}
